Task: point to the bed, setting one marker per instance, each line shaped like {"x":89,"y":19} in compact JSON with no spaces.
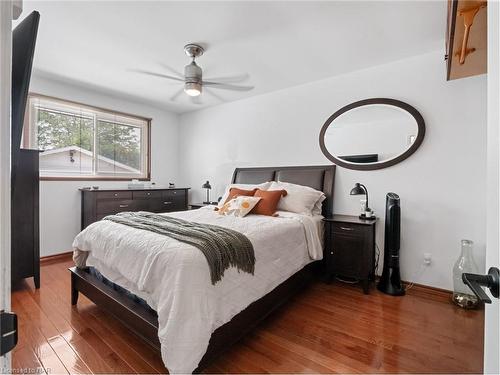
{"x":136,"y":303}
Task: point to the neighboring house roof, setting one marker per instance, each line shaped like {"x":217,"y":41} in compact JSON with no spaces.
{"x":90,"y":154}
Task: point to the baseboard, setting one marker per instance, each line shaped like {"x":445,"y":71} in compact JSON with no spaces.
{"x":68,"y":255}
{"x":427,"y":291}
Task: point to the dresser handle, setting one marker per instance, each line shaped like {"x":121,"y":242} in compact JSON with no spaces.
{"x":123,"y":205}
{"x":346,"y":228}
{"x":148,"y":193}
{"x":331,"y":252}
{"x":167,"y":202}
{"x":116,"y":194}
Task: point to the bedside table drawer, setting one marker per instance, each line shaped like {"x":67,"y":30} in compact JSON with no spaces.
{"x":346,"y":229}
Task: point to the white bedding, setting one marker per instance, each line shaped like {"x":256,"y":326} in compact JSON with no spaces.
{"x":174,"y":277}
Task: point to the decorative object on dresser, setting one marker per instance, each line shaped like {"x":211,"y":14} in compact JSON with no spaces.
{"x":207,"y":186}
{"x":372,"y":134}
{"x":390,"y":281}
{"x":360,"y":189}
{"x":350,"y":248}
{"x":466,"y":42}
{"x":25,"y":246}
{"x":98,"y":203}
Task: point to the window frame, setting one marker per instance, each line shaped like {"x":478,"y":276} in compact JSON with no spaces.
{"x":96,"y":177}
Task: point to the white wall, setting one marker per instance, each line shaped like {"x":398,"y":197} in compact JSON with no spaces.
{"x":60,"y":200}
{"x":442,"y":186}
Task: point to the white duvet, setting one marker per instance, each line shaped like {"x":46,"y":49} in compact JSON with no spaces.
{"x":174,"y":277}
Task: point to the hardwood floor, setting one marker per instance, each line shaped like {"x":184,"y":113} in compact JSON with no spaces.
{"x":325,"y":329}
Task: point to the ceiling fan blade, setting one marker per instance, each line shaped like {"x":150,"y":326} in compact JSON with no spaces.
{"x":158,"y":75}
{"x":196,"y":100}
{"x":176,"y":95}
{"x":225,"y":86}
{"x":230,"y":79}
{"x":216,"y":96}
{"x":172,"y":70}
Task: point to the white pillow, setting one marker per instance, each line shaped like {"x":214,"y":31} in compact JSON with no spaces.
{"x":239,"y":206}
{"x":318,"y":207}
{"x":299,"y":199}
{"x":263,"y":186}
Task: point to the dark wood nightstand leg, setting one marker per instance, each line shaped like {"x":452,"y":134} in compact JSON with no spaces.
{"x":366,"y":286}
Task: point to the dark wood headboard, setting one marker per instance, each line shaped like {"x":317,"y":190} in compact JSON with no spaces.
{"x":319,"y":177}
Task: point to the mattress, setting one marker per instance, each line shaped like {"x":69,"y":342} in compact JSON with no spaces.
{"x":174,"y":279}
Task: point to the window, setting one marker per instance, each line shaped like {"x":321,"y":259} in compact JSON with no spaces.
{"x":83,"y":142}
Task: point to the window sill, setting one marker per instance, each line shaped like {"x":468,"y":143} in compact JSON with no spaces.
{"x":90,"y":178}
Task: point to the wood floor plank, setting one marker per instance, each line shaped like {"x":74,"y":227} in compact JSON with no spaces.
{"x":25,"y":361}
{"x":325,"y":329}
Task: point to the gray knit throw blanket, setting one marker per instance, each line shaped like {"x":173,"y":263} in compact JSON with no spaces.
{"x":221,"y":246}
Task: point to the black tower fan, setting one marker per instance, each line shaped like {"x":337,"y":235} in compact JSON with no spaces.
{"x":390,"y":282}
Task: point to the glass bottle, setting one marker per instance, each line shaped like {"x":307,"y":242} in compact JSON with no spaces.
{"x":462,"y":295}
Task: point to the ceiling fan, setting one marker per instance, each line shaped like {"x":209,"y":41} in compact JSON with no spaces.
{"x":193,"y":77}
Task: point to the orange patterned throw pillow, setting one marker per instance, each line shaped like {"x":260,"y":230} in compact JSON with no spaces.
{"x":268,"y":202}
{"x":239,"y":206}
{"x":235,"y":192}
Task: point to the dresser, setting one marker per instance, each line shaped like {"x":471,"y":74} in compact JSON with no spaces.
{"x":98,"y":203}
{"x":350,"y":249}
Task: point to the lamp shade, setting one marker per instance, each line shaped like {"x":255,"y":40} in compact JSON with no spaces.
{"x":206,"y":185}
{"x":358,"y":190}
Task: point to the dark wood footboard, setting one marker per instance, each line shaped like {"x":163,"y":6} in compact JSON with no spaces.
{"x":144,"y":321}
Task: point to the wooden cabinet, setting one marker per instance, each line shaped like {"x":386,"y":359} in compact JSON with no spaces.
{"x":350,"y":248}
{"x":466,"y":38}
{"x":25,"y":232}
{"x":97,"y":204}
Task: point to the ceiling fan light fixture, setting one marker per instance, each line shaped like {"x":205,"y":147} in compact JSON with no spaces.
{"x":192,"y":88}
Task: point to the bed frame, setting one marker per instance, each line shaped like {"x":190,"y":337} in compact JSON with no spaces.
{"x":144,"y":322}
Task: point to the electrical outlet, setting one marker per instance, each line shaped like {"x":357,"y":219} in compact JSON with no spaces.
{"x":427,"y":259}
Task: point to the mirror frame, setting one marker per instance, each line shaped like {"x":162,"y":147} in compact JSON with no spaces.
{"x":378,"y":165}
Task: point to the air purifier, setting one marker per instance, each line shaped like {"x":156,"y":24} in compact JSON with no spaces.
{"x":390,"y":282}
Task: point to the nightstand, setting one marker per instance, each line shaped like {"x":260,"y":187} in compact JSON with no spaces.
{"x":195,"y":206}
{"x":350,"y":248}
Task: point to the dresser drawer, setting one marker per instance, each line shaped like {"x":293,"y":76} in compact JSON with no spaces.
{"x":168,"y":204}
{"x":146,"y":194}
{"x":172,"y":194}
{"x":171,"y":200}
{"x":114,"y":195}
{"x":110,"y":206}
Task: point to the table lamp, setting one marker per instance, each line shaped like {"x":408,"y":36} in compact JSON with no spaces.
{"x":207,"y":186}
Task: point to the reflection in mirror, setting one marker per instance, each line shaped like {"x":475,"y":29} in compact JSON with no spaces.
{"x":371,"y":133}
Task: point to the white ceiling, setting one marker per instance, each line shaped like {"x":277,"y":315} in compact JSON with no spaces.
{"x":279,"y":44}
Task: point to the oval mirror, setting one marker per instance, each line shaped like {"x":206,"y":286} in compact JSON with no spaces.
{"x":372,"y":134}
